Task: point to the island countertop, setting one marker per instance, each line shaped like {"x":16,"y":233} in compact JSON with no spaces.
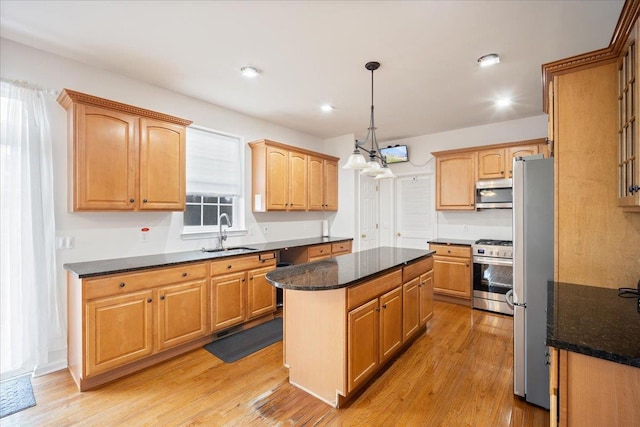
{"x":128,"y":264}
{"x":344,"y":270}
{"x":593,"y":321}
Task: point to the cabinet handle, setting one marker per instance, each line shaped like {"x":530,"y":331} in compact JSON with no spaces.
{"x":149,"y":300}
{"x":144,"y":200}
{"x":384,"y":305}
{"x":321,"y":250}
{"x":251,"y":278}
{"x":185,"y":274}
{"x":122,"y":284}
{"x":132,"y":200}
{"x":229,"y":266}
{"x":162,"y":297}
{"x":378,"y":309}
{"x":243,"y":279}
{"x":466,"y":265}
{"x":448,"y":251}
{"x":501,"y":172}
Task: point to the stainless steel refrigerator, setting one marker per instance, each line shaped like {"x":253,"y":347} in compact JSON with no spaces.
{"x":532,"y":269}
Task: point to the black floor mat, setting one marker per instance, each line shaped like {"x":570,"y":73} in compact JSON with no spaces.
{"x":249,"y":341}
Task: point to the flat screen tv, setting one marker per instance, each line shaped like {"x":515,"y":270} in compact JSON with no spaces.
{"x":395,"y":154}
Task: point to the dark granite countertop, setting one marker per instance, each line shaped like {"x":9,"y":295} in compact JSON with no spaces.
{"x":593,"y":321}
{"x":454,"y":242}
{"x":128,"y":264}
{"x":344,"y":270}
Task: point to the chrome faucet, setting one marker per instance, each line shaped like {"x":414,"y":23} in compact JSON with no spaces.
{"x":222,"y":237}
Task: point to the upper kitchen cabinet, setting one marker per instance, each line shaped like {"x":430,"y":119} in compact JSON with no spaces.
{"x":497,"y":162}
{"x":628,"y":140}
{"x":323,"y":184}
{"x":123,"y":158}
{"x":286,"y":178}
{"x":455,"y":181}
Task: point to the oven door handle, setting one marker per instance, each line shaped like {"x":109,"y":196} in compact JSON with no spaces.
{"x":492,"y":261}
{"x":509,"y":298}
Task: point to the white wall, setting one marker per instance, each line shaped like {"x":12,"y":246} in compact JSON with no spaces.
{"x":494,"y":224}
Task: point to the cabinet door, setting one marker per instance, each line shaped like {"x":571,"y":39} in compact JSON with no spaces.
{"x":181,"y":313}
{"x":162,"y":165}
{"x":105,"y":159}
{"x":227,"y":300}
{"x":330,"y":185}
{"x":118,"y":330}
{"x":411,"y":303}
{"x":297,"y":182}
{"x":426,"y":297}
{"x":452,"y":276}
{"x":362,"y":343}
{"x":316,"y":179}
{"x":455,"y":181}
{"x":277,"y":178}
{"x":520,"y":151}
{"x":390,"y":323}
{"x":491,"y":163}
{"x":261,"y":296}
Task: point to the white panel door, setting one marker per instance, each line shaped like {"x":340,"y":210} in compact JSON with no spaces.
{"x":368,"y":224}
{"x":415,"y":212}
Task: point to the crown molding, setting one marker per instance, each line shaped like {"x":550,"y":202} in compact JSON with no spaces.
{"x":626,"y":20}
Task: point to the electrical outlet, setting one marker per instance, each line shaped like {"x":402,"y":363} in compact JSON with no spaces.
{"x":465,"y":228}
{"x":65,"y":242}
{"x":265,"y":229}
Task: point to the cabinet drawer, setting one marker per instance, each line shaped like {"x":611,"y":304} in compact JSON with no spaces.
{"x":125,"y":283}
{"x":360,"y":294}
{"x":412,"y":271}
{"x":235,"y":264}
{"x":341,"y":248}
{"x":447,"y":250}
{"x":319,"y":251}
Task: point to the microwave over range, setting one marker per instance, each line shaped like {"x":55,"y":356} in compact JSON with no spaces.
{"x":494,"y":194}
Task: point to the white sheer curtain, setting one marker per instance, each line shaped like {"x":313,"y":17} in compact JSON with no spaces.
{"x":31,"y":301}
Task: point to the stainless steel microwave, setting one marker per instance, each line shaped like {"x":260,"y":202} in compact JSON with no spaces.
{"x":494,"y":194}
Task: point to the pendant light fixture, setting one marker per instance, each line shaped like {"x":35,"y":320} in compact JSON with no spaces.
{"x":377,"y":165}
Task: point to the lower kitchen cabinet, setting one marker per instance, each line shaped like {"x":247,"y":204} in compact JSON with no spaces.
{"x":181,"y":313}
{"x":588,"y":391}
{"x":243,"y":293}
{"x":452,"y":272}
{"x":417,"y":297}
{"x":426,"y":297}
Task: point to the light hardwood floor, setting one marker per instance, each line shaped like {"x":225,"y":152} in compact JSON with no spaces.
{"x":459,"y":373}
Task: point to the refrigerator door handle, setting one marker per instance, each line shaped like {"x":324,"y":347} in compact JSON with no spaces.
{"x":509,"y":298}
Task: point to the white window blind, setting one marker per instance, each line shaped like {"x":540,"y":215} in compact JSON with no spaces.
{"x":213,"y":163}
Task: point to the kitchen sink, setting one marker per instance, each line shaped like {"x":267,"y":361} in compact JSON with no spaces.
{"x":230,"y":249}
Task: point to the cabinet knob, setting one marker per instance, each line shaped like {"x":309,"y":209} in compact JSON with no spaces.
{"x":144,"y":200}
{"x":378,"y":309}
{"x":229,"y":266}
{"x":243,"y":279}
{"x":321,"y":250}
{"x":149,"y":300}
{"x":162,"y":297}
{"x":122,"y":284}
{"x":501,"y":171}
{"x":185,"y":274}
{"x":251,"y":278}
{"x":448,"y":251}
{"x":132,"y":200}
{"x":384,"y":305}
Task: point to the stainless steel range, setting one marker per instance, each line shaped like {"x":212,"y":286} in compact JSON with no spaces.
{"x":492,"y":275}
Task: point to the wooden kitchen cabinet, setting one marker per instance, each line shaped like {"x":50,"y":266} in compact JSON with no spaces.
{"x":456,"y":181}
{"x":417,"y":296}
{"x":303,"y":254}
{"x":123,"y":158}
{"x":323,"y":184}
{"x":497,"y":163}
{"x":628,"y":136}
{"x":426,"y":297}
{"x":239,"y":290}
{"x":120,"y":323}
{"x":452,"y":272}
{"x":287,"y":178}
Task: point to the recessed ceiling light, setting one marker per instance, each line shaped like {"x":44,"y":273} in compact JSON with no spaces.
{"x":503,"y":102}
{"x":249,"y":72}
{"x":327,"y":107}
{"x":489,"y":59}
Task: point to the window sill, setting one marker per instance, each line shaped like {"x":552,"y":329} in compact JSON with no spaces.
{"x":208,"y":234}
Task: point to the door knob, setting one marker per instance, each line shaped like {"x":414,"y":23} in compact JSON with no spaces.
{"x":363,"y":235}
{"x":398,"y":234}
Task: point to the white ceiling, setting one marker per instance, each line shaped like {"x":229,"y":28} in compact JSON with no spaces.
{"x":313,"y":52}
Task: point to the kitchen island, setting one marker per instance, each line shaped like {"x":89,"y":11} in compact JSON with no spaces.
{"x":346,"y":317}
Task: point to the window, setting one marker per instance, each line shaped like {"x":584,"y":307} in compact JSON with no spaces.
{"x":214,"y":182}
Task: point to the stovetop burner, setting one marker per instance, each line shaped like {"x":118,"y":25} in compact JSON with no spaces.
{"x":494,"y":242}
